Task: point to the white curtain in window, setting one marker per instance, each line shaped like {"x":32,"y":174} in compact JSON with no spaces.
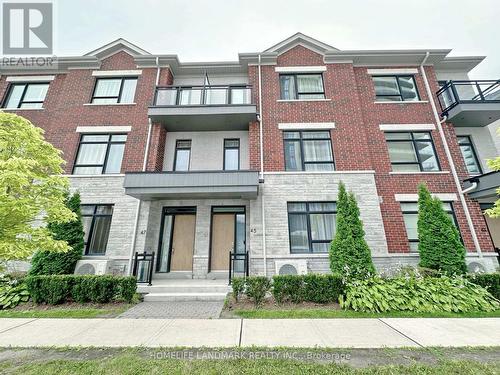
{"x":128,"y":91}
{"x":108,"y":87}
{"x":317,"y":151}
{"x":322,"y":226}
{"x":310,"y":83}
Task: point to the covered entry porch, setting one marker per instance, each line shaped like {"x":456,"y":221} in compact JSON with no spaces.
{"x":192,"y":230}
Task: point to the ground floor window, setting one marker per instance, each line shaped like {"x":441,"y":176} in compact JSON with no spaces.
{"x":311,"y":226}
{"x":96,"y":220}
{"x":410,"y":216}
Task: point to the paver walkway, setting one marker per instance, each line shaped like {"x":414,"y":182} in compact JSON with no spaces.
{"x":173,"y":310}
{"x":335,"y":333}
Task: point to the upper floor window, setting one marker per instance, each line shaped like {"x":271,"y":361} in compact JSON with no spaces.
{"x":308,"y":151}
{"x":114,"y":90}
{"x":469,"y":154}
{"x":410,"y":216}
{"x":96,"y":219}
{"x":311,"y":226}
{"x":100,"y":154}
{"x":182,"y":155}
{"x":395,"y":88}
{"x":412,"y":152}
{"x":301,"y":86}
{"x":26,"y":95}
{"x":231,"y":154}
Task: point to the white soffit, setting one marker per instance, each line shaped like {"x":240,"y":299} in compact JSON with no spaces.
{"x":300,"y":69}
{"x":103,"y":129}
{"x":382,"y":72}
{"x":306,"y":125}
{"x":116,"y":73}
{"x":406,"y":127}
{"x":30,"y":78}
{"x":445,"y":197}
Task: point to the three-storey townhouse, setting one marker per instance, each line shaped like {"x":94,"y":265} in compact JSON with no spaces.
{"x":197,"y":161}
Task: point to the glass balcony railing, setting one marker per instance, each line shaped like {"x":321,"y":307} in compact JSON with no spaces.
{"x":453,"y":93}
{"x":202,"y":95}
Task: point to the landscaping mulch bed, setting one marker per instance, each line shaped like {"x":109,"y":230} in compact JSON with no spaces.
{"x":246,"y":304}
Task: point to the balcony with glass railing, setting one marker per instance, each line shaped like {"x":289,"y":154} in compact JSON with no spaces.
{"x":470,"y":103}
{"x":215,"y":107}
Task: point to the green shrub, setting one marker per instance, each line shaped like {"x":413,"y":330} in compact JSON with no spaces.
{"x":256,"y":288}
{"x":312,"y":287}
{"x":55,"y":289}
{"x":439,"y":244}
{"x":489,"y":281}
{"x":57,"y":263}
{"x":127,"y":288}
{"x":238,"y":285}
{"x":349,"y":253}
{"x":417,"y":294}
{"x":322,"y":288}
{"x":13,"y":295}
{"x":288,"y":288}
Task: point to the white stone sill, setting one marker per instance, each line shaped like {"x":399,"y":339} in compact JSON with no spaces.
{"x":107,"y":104}
{"x":421,"y":173}
{"x":302,"y":100}
{"x":291,"y":256}
{"x":94,"y":175}
{"x":303,"y":173}
{"x":406,"y":102}
{"x":22,"y":109}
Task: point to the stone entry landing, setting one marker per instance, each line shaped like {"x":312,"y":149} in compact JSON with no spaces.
{"x":185,"y":290}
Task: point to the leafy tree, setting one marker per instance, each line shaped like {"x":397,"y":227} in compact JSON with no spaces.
{"x":439,"y":244}
{"x":32,"y":190}
{"x":494,"y":164}
{"x":349,"y":252}
{"x":56,"y":263}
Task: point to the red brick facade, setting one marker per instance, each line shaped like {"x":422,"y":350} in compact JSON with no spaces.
{"x":66,"y":107}
{"x":358,"y":142}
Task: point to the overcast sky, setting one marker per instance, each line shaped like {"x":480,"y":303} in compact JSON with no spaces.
{"x":210,"y":30}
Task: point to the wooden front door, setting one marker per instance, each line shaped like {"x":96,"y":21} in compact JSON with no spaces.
{"x":183,"y":243}
{"x":222,"y":241}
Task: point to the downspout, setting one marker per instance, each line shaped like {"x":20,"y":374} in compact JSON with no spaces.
{"x":261,"y":179}
{"x":144,"y":167}
{"x":439,"y":123}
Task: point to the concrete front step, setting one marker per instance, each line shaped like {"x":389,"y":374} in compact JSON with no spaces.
{"x":183,"y":288}
{"x":178,"y":297}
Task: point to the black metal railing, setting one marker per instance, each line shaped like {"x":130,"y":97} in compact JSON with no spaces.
{"x":456,"y":92}
{"x":238,"y":264}
{"x":202,"y":95}
{"x":143,"y":267}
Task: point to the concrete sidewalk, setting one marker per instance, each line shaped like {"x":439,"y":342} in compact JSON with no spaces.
{"x":338,"y":333}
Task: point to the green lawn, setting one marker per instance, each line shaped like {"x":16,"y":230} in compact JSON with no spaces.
{"x":60,"y":312}
{"x":324,"y":313}
{"x":133,"y":364}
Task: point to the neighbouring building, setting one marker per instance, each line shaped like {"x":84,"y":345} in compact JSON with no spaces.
{"x":193,"y":161}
